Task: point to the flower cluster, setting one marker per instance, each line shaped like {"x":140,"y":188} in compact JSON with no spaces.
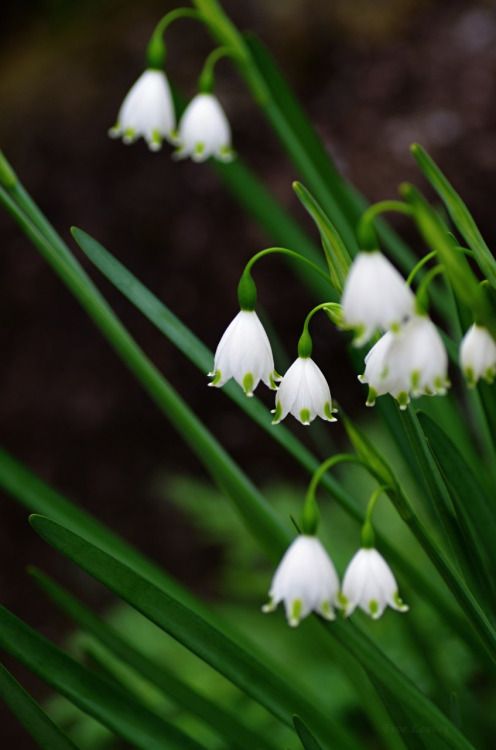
{"x":306,"y":581}
{"x":410,"y":358}
{"x":148,"y":111}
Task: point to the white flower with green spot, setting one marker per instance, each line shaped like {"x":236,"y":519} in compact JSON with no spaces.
{"x":304,"y":393}
{"x":204,"y":131}
{"x":147,"y":111}
{"x":244,"y":353}
{"x":368,"y":583}
{"x":412,"y":361}
{"x":375,"y":296}
{"x":305,"y":580}
{"x":478,"y":355}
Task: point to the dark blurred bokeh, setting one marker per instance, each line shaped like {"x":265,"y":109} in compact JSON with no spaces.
{"x":374,"y":76}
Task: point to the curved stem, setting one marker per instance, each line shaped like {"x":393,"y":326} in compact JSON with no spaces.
{"x":422,"y":296}
{"x":206,"y":80}
{"x":429,"y":256}
{"x":305,"y":343}
{"x":367,"y":236}
{"x":156,"y":49}
{"x":289,"y":253}
{"x":367,"y":535}
{"x":310,"y":514}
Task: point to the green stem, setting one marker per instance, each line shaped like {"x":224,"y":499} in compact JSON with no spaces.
{"x":156,"y":50}
{"x":290,"y":253}
{"x":206,"y":80}
{"x":367,"y":535}
{"x":367,"y":235}
{"x":422,"y":299}
{"x":305,"y":343}
{"x":430,"y":255}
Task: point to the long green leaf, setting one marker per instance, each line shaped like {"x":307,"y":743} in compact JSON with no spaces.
{"x":473,"y":507}
{"x":228,"y":725}
{"x":41,"y":728}
{"x":306,"y":737}
{"x":275,"y":692}
{"x":460,"y":215}
{"x":94,"y":695}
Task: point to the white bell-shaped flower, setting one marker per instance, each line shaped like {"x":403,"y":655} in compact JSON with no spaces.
{"x":304,"y":393}
{"x":412,"y":361}
{"x":244,"y":353}
{"x":377,"y":374}
{"x":417,"y":361}
{"x":375,"y":296}
{"x":204,"y":131}
{"x":305,"y":581}
{"x":147,"y":111}
{"x":478,"y":355}
{"x":368,"y":583}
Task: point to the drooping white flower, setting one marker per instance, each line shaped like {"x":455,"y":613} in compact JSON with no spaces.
{"x":377,"y":374}
{"x":368,"y":583}
{"x":304,"y":393}
{"x":204,"y":131}
{"x":244,"y":353}
{"x":375,"y":296}
{"x":478,"y":355}
{"x":412,"y":361}
{"x":305,"y":581}
{"x":147,"y":111}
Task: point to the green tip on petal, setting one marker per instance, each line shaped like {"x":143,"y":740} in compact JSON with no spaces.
{"x":399,"y":603}
{"x":305,"y":416}
{"x":199,"y":149}
{"x":327,"y":611}
{"x":270,"y":606}
{"x":371,"y":397}
{"x":403,"y":400}
{"x":343,"y":603}
{"x":226,"y":154}
{"x":277,"y":413}
{"x":248,"y":384}
{"x":358,"y":334}
{"x":129,"y":135}
{"x":415,"y":380}
{"x":329,"y":412}
{"x":374,"y":608}
{"x":274,"y":378}
{"x":216,"y":378}
{"x":295,"y":614}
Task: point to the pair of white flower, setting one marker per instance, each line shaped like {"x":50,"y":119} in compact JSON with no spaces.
{"x":306,"y":581}
{"x":410,"y":358}
{"x":244,"y":353}
{"x":148,"y":111}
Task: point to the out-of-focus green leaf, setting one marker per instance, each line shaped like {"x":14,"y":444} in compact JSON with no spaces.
{"x":228,"y":725}
{"x":93,"y":694}
{"x":272,"y":690}
{"x":307,"y":739}
{"x":460,"y":215}
{"x":46,"y":734}
{"x":471,"y":504}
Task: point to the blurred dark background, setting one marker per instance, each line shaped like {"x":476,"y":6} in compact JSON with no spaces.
{"x":373,"y":75}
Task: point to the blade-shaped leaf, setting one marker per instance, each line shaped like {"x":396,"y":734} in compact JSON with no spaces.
{"x":460,"y":215}
{"x":95,"y":695}
{"x":307,"y":739}
{"x":228,"y":725}
{"x":272,"y":690}
{"x":42,"y":729}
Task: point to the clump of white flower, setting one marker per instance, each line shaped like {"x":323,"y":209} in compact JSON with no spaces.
{"x":478,"y":355}
{"x":304,"y":393}
{"x":368,"y":583}
{"x":304,"y":581}
{"x":244,"y":353}
{"x":375,"y":296}
{"x":147,"y":111}
{"x":204,"y":131}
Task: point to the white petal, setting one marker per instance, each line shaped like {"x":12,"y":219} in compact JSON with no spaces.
{"x":204,"y":130}
{"x":147,"y":110}
{"x":478,"y":354}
